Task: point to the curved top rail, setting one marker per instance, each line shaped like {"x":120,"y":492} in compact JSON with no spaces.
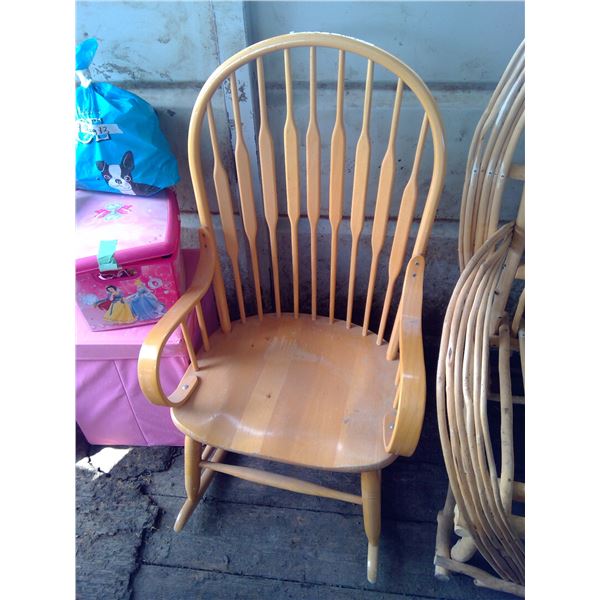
{"x":347,"y":44}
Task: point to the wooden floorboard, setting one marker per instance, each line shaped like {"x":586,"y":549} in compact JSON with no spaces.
{"x":302,"y":546}
{"x":159,"y":583}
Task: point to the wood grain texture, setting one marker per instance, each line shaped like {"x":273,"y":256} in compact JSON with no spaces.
{"x":225,"y":204}
{"x":382,"y":205}
{"x":189,"y":344}
{"x":401,"y":431}
{"x":202,"y":326}
{"x":293,"y":390}
{"x":336,"y":179}
{"x":313,"y":179}
{"x":262,"y":543}
{"x":197,"y":176}
{"x":269,"y":181}
{"x":403,"y":223}
{"x":359,"y":189}
{"x":507,"y":471}
{"x":244,"y":175}
{"x":282,"y":482}
{"x":292,"y":177}
{"x":370,"y":483}
{"x":197,"y":480}
{"x":158,"y":583}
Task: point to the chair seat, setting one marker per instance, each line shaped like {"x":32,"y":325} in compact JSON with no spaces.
{"x":297,"y":391}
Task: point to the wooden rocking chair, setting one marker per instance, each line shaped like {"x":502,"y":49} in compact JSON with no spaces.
{"x":302,"y":389}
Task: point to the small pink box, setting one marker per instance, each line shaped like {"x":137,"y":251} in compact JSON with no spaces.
{"x":110,"y":406}
{"x":129,"y":269}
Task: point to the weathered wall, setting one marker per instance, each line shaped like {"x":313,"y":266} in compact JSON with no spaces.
{"x":165,"y":50}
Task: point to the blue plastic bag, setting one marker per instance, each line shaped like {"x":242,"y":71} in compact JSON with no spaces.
{"x":120,"y":147}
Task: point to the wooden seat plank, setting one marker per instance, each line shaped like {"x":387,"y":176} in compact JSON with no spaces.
{"x":298,"y":391}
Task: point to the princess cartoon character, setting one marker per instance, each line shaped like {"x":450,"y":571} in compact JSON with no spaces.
{"x":118,"y":310}
{"x":144,"y":304}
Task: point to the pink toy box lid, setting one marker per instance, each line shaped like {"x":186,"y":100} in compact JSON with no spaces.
{"x":144,"y":228}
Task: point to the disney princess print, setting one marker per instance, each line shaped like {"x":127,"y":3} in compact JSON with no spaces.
{"x":115,"y":307}
{"x":120,"y":309}
{"x":141,"y":298}
{"x":144,"y":304}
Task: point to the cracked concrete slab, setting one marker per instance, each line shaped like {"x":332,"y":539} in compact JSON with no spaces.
{"x":112,"y":522}
{"x":113,"y":517}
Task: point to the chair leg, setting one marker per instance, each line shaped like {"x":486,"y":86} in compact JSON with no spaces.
{"x":370,"y":482}
{"x":192,"y":454}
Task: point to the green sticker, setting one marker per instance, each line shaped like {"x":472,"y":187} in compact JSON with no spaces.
{"x":106,"y":255}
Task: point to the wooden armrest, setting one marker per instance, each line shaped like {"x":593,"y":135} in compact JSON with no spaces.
{"x":402,"y":429}
{"x":150,"y":352}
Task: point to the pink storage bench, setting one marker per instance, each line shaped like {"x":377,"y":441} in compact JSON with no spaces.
{"x":110,"y":406}
{"x":128,"y":267}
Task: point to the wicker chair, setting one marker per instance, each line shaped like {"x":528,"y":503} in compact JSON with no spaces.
{"x":480,"y":497}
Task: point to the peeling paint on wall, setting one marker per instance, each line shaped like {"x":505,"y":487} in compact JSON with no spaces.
{"x":165,"y":51}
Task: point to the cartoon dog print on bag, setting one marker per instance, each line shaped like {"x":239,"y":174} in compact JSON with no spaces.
{"x":119,"y":177}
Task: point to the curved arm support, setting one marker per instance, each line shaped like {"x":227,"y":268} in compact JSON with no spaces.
{"x":402,"y":429}
{"x":150,"y":352}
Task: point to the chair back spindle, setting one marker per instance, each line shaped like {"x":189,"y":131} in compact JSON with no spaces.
{"x":382,"y":205}
{"x":292,"y":176}
{"x":359,"y":190}
{"x":226,"y":211}
{"x":313,"y":179}
{"x":242,"y":164}
{"x":310,"y":205}
{"x":336,"y":179}
{"x":266,"y":151}
{"x":403,"y":223}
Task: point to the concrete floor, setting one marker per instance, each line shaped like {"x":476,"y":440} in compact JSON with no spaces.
{"x":248,"y":541}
